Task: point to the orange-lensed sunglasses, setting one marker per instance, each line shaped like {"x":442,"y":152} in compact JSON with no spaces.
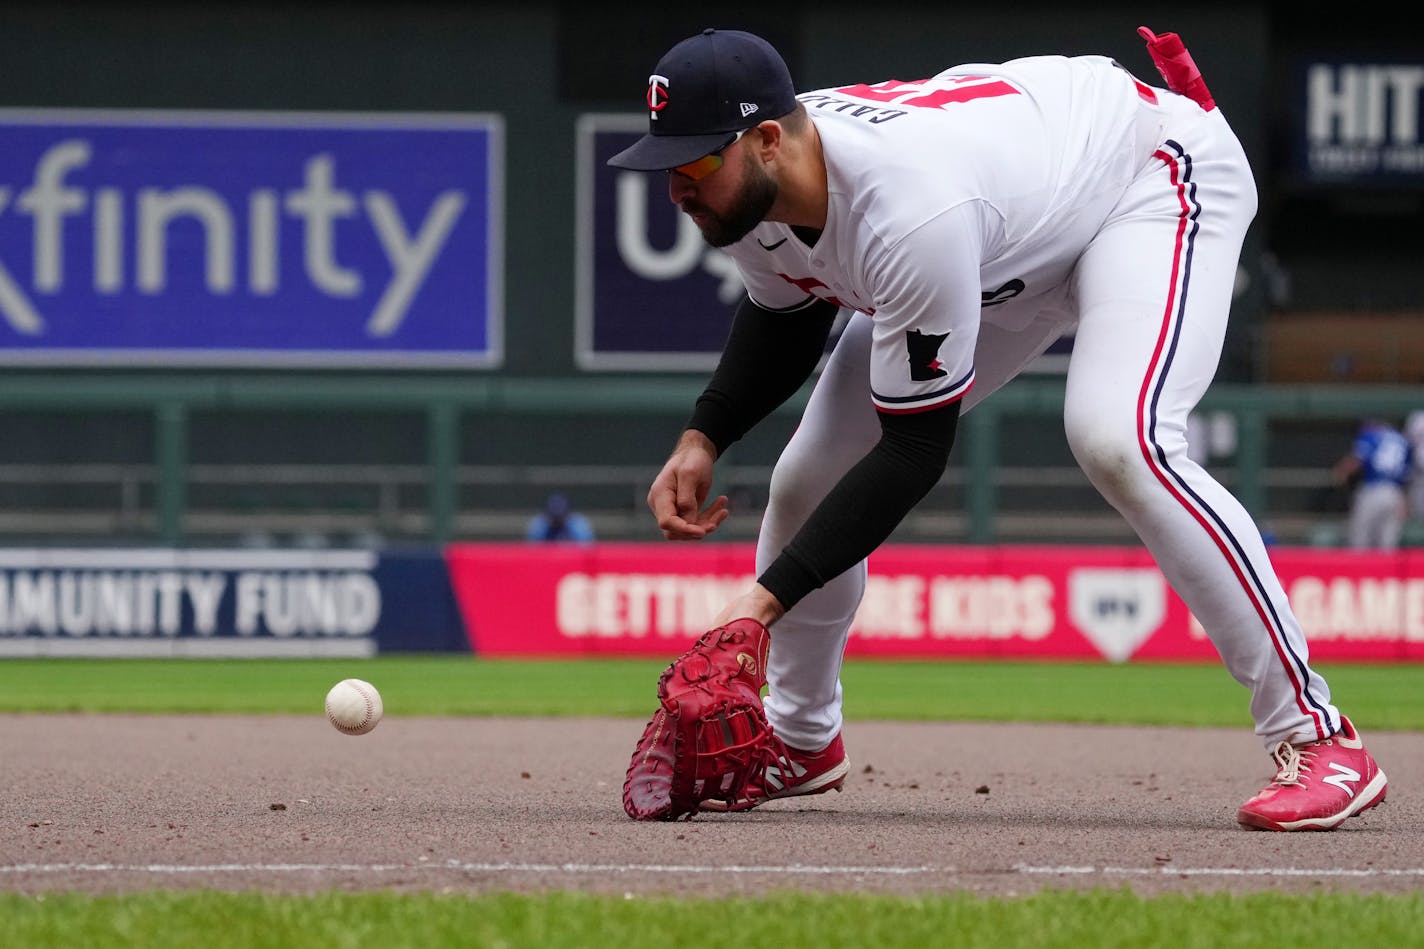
{"x":704,"y":166}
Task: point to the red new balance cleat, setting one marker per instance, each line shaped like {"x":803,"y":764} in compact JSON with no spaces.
{"x":1317,"y":786}
{"x":795,"y":772}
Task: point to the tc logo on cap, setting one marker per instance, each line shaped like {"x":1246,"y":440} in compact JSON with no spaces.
{"x":657,"y":94}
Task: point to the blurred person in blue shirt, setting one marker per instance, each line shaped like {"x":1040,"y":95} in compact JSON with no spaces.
{"x":558,"y":521}
{"x":1414,"y":431}
{"x":1378,"y":468}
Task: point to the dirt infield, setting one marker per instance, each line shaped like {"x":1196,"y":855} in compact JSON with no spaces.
{"x":114,"y":803}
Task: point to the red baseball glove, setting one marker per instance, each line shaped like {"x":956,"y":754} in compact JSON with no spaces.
{"x":710,"y":734}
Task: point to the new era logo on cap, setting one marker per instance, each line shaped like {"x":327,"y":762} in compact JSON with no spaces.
{"x":703,"y":92}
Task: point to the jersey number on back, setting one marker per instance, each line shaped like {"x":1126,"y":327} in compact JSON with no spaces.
{"x":932,"y":93}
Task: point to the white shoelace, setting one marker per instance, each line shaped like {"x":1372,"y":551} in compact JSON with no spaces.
{"x":1291,"y":762}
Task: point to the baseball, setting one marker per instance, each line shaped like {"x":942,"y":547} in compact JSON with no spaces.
{"x":353,"y":706}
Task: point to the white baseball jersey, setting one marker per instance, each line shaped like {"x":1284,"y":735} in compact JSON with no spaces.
{"x":946,"y":199}
{"x":972,"y":219}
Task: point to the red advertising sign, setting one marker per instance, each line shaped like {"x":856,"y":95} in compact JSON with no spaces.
{"x":1006,"y":602}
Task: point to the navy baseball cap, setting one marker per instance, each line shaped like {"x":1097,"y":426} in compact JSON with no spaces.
{"x":703,"y":92}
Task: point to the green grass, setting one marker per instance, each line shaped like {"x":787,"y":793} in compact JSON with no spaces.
{"x":1376,"y":696}
{"x":1100,"y":919}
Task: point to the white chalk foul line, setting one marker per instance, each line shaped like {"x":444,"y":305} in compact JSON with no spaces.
{"x":459,"y":866}
{"x":1169,"y":870}
{"x":788,"y":869}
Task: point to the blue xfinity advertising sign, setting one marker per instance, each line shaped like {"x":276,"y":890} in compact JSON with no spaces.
{"x":250,"y":239}
{"x":652,"y":294}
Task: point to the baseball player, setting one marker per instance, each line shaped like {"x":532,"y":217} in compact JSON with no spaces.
{"x":967,"y":220}
{"x":1414,"y":431}
{"x":1378,"y":465}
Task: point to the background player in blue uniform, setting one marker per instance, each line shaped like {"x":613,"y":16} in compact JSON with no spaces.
{"x":1378,"y":466}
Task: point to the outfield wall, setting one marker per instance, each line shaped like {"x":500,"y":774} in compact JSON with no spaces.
{"x":1080,"y":603}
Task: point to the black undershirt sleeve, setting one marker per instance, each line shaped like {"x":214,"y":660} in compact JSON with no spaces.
{"x":868,"y":503}
{"x":768,"y":355}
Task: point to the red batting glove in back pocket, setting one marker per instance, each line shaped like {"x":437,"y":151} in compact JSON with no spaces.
{"x":1177,"y":67}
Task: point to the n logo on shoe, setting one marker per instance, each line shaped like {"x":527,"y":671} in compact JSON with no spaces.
{"x":774,"y":774}
{"x":1345,"y":777}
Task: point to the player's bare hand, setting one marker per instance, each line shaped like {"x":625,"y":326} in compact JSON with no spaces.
{"x":678,"y":496}
{"x":757,"y":603}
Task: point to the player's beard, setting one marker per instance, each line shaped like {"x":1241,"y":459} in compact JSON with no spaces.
{"x":750,"y":207}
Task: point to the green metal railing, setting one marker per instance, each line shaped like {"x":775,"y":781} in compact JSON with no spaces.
{"x":445,"y":401}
